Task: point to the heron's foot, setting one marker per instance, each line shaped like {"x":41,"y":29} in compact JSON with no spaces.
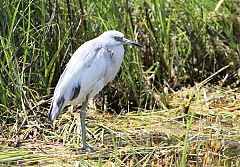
{"x":85,"y":148}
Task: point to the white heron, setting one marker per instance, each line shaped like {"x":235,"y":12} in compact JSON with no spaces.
{"x":93,"y":65}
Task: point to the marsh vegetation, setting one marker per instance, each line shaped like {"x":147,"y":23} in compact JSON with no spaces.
{"x":175,"y":102}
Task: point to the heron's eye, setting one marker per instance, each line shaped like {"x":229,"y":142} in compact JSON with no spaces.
{"x":117,"y":38}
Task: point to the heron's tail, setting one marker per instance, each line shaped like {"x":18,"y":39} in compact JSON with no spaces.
{"x":56,"y":108}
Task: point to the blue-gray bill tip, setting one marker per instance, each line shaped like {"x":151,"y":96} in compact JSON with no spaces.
{"x":128,"y":41}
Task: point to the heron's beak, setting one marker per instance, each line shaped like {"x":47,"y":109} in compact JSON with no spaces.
{"x":127,"y":41}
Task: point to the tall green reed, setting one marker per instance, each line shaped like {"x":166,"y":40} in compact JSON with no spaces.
{"x":183,"y":42}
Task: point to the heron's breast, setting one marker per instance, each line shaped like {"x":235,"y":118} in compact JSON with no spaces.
{"x":117,"y":55}
{"x":114,"y":62}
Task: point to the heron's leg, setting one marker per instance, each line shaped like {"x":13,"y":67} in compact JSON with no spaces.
{"x":83,"y":127}
{"x":83,"y":124}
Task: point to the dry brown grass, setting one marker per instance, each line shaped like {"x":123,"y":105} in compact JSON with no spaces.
{"x":141,"y":138}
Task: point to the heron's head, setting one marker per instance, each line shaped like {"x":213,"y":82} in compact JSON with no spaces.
{"x":114,"y":38}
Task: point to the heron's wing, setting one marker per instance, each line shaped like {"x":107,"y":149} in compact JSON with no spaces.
{"x":81,"y":59}
{"x":85,"y":67}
